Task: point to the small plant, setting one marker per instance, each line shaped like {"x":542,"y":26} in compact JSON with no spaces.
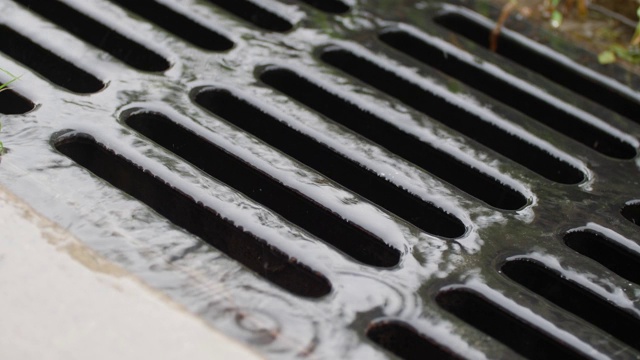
{"x":552,"y":7}
{"x":2,"y":88}
{"x":504,"y":15}
{"x":631,"y":52}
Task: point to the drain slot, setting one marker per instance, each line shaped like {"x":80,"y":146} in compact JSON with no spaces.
{"x":453,"y":116}
{"x":97,"y":34}
{"x":336,"y":167}
{"x":475,"y":76}
{"x":575,"y":299}
{"x":177,"y":24}
{"x":12,"y":103}
{"x":544,"y":64}
{"x":266,"y":190}
{"x":194,"y":217}
{"x":254,"y":14}
{"x":504,"y":327}
{"x":47,"y":64}
{"x":631,"y":212}
{"x":330,"y":6}
{"x":607,"y":252}
{"x":404,"y":341}
{"x":403,"y":144}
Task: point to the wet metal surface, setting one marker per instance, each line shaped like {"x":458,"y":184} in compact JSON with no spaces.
{"x":502,"y":187}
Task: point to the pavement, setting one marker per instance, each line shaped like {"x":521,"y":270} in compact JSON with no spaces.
{"x":60,"y":300}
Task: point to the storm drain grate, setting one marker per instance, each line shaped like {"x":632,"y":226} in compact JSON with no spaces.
{"x":337,"y":179}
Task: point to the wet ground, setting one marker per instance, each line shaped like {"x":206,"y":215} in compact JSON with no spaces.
{"x":400,"y":121}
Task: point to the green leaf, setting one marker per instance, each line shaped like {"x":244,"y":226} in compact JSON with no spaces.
{"x":5,"y":85}
{"x":637,"y":32}
{"x":606,"y":57}
{"x":630,"y":54}
{"x":618,"y":49}
{"x":556,"y":19}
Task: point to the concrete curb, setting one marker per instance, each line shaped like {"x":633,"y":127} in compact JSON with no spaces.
{"x":60,"y":300}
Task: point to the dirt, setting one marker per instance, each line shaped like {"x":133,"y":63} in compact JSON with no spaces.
{"x":607,"y":22}
{"x":626,"y":8}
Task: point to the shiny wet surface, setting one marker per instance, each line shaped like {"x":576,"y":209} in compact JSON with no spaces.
{"x":232,"y":298}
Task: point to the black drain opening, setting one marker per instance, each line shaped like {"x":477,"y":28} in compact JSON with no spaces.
{"x":575,"y":299}
{"x":404,"y":341}
{"x":330,"y":6}
{"x":631,"y":212}
{"x":469,"y":72}
{"x":51,"y":66}
{"x":97,"y":34}
{"x":401,"y":143}
{"x":12,"y":103}
{"x":504,"y":327}
{"x":547,"y":65}
{"x":607,"y":252}
{"x":177,"y":24}
{"x":254,"y":14}
{"x":193,"y":216}
{"x":453,"y":116}
{"x":292,"y":205}
{"x":336,"y":167}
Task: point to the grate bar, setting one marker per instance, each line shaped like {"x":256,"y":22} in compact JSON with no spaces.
{"x":254,"y":14}
{"x":522,"y":51}
{"x":504,"y":327}
{"x":12,"y":103}
{"x":97,"y":34}
{"x":505,"y":90}
{"x":433,"y":160}
{"x":330,"y":6}
{"x":631,"y":211}
{"x":575,"y":299}
{"x":292,"y":205}
{"x":177,"y":24}
{"x":607,"y":252}
{"x":185,"y":212}
{"x":340,"y":169}
{"x":50,"y":66}
{"x":404,"y":341}
{"x":457,"y":118}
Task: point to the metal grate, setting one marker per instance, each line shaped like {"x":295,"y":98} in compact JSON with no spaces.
{"x":338,"y":179}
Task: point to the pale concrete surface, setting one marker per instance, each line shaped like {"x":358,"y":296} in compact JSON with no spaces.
{"x":59,"y":300}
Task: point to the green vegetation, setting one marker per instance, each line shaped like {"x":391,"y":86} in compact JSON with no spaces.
{"x":630,"y":53}
{"x":551,"y":6}
{"x":556,"y":10}
{"x":2,"y":88}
